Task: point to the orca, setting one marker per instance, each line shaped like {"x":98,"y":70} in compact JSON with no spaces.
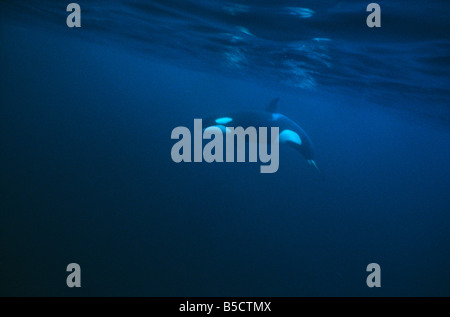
{"x":290,"y":133}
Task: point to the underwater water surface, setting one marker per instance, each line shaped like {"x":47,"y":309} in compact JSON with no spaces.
{"x":86,"y":116}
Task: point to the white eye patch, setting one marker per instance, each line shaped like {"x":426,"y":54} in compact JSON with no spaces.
{"x":224,"y":120}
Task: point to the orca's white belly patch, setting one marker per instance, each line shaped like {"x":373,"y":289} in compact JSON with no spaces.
{"x":289,"y":135}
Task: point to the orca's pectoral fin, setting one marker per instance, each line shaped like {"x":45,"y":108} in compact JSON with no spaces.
{"x":313,"y":164}
{"x":273,"y":105}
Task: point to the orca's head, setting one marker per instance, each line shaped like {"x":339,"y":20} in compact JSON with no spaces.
{"x":221,"y":122}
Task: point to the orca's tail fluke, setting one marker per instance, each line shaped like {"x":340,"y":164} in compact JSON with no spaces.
{"x":313,"y":164}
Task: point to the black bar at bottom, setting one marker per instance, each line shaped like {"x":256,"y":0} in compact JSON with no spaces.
{"x":213,"y":306}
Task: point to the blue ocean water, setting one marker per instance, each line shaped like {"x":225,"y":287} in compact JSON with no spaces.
{"x":86,"y":116}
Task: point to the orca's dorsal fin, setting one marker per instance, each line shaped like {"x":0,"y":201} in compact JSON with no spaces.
{"x":273,"y":105}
